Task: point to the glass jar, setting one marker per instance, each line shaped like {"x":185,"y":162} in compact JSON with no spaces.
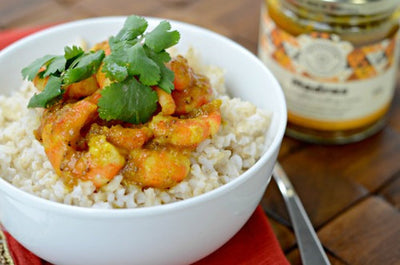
{"x":336,"y":61}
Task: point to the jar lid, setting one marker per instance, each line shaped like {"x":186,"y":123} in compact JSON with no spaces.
{"x":349,"y":7}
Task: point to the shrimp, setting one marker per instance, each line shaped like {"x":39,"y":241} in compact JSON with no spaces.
{"x":39,"y":82}
{"x":191,"y":90}
{"x":76,"y":90}
{"x":121,"y":137}
{"x":102,"y":80}
{"x":61,"y":127}
{"x":158,"y":168}
{"x":166,"y":101}
{"x":187,"y":132}
{"x":81,"y":89}
{"x":193,"y":96}
{"x":80,"y":145}
{"x":183,"y":73}
{"x":103,"y":161}
{"x":164,"y":161}
{"x":61,"y":133}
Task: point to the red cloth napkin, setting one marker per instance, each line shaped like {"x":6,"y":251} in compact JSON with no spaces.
{"x":254,"y":244}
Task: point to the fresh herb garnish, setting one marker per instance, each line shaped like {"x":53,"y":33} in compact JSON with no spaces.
{"x":140,"y":54}
{"x":55,"y":66}
{"x":83,"y":67}
{"x":74,"y":66}
{"x":51,"y":93}
{"x":137,"y":62}
{"x":135,"y":53}
{"x":32,"y":70}
{"x":136,"y":105}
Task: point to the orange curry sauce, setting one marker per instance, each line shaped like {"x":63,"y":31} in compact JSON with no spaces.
{"x":82,"y":146}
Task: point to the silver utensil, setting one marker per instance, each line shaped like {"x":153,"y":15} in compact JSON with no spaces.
{"x":311,"y":250}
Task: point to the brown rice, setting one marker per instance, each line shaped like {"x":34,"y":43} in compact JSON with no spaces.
{"x":236,"y":147}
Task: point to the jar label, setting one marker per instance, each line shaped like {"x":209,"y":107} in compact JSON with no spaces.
{"x":330,"y":84}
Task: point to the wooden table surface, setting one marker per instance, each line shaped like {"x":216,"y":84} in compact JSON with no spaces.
{"x":351,"y":192}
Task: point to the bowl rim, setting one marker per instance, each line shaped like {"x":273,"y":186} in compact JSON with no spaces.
{"x":66,"y":209}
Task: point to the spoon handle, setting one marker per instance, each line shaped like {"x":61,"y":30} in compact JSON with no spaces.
{"x":311,"y":250}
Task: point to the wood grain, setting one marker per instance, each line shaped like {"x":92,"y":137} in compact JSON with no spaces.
{"x":391,"y":191}
{"x":374,"y":161}
{"x":316,"y":173}
{"x":36,"y":13}
{"x":295,"y":259}
{"x":371,"y":229}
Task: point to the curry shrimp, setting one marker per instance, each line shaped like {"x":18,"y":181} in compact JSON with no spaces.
{"x":60,"y":133}
{"x":81,"y":145}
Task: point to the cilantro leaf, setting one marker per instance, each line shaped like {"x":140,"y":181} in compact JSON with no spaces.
{"x":161,"y":38}
{"x":140,"y":64}
{"x":31,"y":70}
{"x":55,"y":66}
{"x":144,"y":59}
{"x":167,"y":79}
{"x":115,"y":64}
{"x":133,"y":27}
{"x":136,"y":62}
{"x":114,"y":69}
{"x":117,"y":45}
{"x":128,"y":101}
{"x":83,"y":67}
{"x":52,"y":92}
{"x":166,"y":82}
{"x":72,"y":53}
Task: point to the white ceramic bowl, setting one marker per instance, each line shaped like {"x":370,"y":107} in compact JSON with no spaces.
{"x":177,"y":233}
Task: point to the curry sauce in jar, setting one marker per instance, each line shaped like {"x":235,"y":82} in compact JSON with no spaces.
{"x":336,"y":61}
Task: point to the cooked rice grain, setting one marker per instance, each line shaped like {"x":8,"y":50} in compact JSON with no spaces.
{"x":216,"y":161}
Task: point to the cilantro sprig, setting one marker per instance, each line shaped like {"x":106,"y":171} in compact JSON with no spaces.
{"x":75,"y":65}
{"x":137,"y":104}
{"x":136,"y":53}
{"x":135,"y":64}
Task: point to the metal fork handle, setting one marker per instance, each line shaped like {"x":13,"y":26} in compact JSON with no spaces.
{"x":311,"y":250}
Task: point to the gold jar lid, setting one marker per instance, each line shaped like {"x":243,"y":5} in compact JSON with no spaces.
{"x":348,"y":7}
